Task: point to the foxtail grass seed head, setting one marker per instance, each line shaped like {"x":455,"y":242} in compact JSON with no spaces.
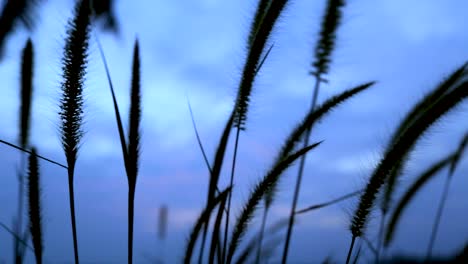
{"x":74,"y":69}
{"x":27,"y":64}
{"x":34,"y":201}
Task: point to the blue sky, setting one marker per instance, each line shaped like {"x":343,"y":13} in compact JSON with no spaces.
{"x":195,"y":49}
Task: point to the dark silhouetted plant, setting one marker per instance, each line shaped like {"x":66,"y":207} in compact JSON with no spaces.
{"x":415,"y":112}
{"x":453,"y":165}
{"x":71,"y":103}
{"x":203,"y":220}
{"x":14,"y":11}
{"x":27,"y":63}
{"x":410,"y":193}
{"x":323,"y":50}
{"x":265,"y":18}
{"x":133,"y":144}
{"x":257,"y":194}
{"x":34,"y":201}
{"x":399,"y":150}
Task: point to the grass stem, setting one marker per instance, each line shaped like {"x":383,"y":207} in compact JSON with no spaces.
{"x":348,"y":258}
{"x":299,"y":177}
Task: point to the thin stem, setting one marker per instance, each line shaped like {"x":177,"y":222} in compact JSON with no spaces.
{"x":131,"y":207}
{"x":435,"y":227}
{"x":358,"y":254}
{"x":17,"y":236}
{"x":29,"y":152}
{"x":350,"y":249}
{"x":231,"y":182}
{"x":332,"y":202}
{"x":299,"y":176}
{"x":380,"y":238}
{"x":72,"y":210}
{"x":260,"y":237}
{"x":202,"y":247}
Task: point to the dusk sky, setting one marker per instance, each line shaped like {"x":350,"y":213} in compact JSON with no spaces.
{"x":194,"y":50}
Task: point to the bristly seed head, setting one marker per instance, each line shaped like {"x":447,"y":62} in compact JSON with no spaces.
{"x":74,"y":69}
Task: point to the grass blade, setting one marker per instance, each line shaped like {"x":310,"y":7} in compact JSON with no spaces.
{"x":326,"y":204}
{"x":219,"y":158}
{"x":123,"y":143}
{"x":200,"y":145}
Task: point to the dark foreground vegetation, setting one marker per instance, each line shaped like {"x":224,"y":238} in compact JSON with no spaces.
{"x":215,"y":238}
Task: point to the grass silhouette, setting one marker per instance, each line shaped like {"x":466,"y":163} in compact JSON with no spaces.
{"x":215,"y":237}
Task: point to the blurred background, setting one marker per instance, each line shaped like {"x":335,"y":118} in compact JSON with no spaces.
{"x":194,"y":50}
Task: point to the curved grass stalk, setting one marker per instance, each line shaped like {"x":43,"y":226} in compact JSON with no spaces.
{"x":401,"y":148}
{"x":409,"y":195}
{"x":310,"y":119}
{"x":326,"y":204}
{"x":428,"y":100}
{"x":257,"y":194}
{"x":453,"y":165}
{"x":200,"y":145}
